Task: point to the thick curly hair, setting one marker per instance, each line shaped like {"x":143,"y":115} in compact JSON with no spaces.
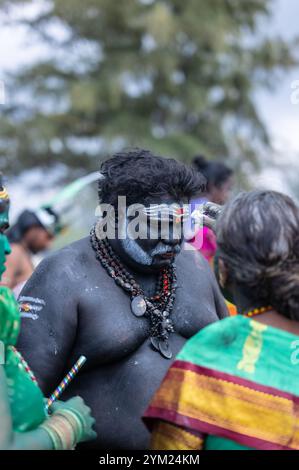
{"x":140,"y":175}
{"x":258,"y":239}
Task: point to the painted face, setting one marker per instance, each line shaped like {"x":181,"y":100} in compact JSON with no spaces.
{"x":4,"y":224}
{"x":153,"y":239}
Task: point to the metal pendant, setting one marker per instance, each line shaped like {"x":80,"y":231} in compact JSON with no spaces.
{"x":138,"y":306}
{"x":165,"y":350}
{"x":155,"y":343}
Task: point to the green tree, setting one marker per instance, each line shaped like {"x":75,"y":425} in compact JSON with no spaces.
{"x":174,"y":76}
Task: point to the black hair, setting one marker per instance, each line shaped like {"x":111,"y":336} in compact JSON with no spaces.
{"x":258,"y":239}
{"x":215,"y":172}
{"x":138,"y":174}
{"x":26,"y":220}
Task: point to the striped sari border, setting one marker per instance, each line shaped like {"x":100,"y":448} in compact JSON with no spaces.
{"x":188,"y":366}
{"x":173,"y":417}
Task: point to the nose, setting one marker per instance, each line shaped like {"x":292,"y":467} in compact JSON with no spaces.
{"x":173,"y":238}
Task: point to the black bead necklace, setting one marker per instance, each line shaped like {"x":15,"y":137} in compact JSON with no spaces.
{"x":157,"y":308}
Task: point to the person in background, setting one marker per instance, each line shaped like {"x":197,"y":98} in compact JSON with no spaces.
{"x":33,"y":233}
{"x":234,"y":385}
{"x":219,"y":184}
{"x":24,"y":423}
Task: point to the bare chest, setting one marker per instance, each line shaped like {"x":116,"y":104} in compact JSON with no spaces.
{"x":109,"y":331}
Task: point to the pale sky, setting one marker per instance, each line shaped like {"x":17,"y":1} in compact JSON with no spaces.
{"x":280,"y":114}
{"x":276,"y":108}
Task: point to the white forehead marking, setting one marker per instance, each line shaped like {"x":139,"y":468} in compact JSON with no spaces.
{"x":164,"y":211}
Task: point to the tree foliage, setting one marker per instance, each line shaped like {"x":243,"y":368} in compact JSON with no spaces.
{"x":174,"y":76}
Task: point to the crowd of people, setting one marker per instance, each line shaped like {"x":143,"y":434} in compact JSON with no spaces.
{"x":189,"y":344}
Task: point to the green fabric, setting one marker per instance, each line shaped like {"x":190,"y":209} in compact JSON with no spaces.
{"x":26,"y":399}
{"x":219,"y":443}
{"x":4,"y":250}
{"x":220,"y":347}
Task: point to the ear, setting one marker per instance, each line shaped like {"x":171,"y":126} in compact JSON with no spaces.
{"x":223,"y":273}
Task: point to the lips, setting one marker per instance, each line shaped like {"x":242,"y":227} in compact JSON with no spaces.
{"x":167,"y":255}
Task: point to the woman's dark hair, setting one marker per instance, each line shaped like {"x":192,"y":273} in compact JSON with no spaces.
{"x":138,"y":175}
{"x":258,"y":239}
{"x":26,"y":220}
{"x":216,"y":173}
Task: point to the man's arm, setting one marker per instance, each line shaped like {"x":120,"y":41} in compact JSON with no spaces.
{"x":49,"y":319}
{"x":221,"y":307}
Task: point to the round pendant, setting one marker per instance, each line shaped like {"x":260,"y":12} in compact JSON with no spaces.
{"x":138,"y":306}
{"x":155,"y":343}
{"x":165,"y":350}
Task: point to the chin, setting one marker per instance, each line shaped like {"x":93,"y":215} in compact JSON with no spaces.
{"x":162,"y":263}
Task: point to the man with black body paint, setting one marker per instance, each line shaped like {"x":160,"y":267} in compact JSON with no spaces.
{"x":71,"y":306}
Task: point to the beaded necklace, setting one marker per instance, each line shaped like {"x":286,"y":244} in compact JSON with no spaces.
{"x":157,"y":308}
{"x":257,"y":311}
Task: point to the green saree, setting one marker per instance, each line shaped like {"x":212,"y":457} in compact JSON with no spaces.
{"x":235,"y":384}
{"x":26,"y":399}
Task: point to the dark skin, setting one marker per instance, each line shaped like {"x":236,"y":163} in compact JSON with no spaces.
{"x":86,"y":313}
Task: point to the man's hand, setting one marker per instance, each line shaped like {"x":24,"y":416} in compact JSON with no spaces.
{"x":211,"y":213}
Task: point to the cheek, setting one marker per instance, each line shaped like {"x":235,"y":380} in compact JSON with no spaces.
{"x":136,"y":252}
{"x":39,"y":241}
{"x":218,"y":196}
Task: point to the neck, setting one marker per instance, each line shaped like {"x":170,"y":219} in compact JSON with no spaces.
{"x":25,"y":247}
{"x":272,"y":318}
{"x":244,"y":301}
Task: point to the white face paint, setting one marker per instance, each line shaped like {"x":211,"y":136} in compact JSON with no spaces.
{"x":135,"y":252}
{"x":133,"y":249}
{"x":130,"y":245}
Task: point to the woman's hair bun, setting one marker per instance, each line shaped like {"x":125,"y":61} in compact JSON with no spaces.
{"x":200,"y":162}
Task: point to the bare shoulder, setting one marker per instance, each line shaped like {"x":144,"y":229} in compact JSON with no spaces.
{"x":64,"y":265}
{"x":16,"y":250}
{"x":16,"y":247}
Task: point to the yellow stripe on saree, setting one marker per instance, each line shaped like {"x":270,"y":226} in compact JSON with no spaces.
{"x":169,"y":437}
{"x":230,"y":406}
